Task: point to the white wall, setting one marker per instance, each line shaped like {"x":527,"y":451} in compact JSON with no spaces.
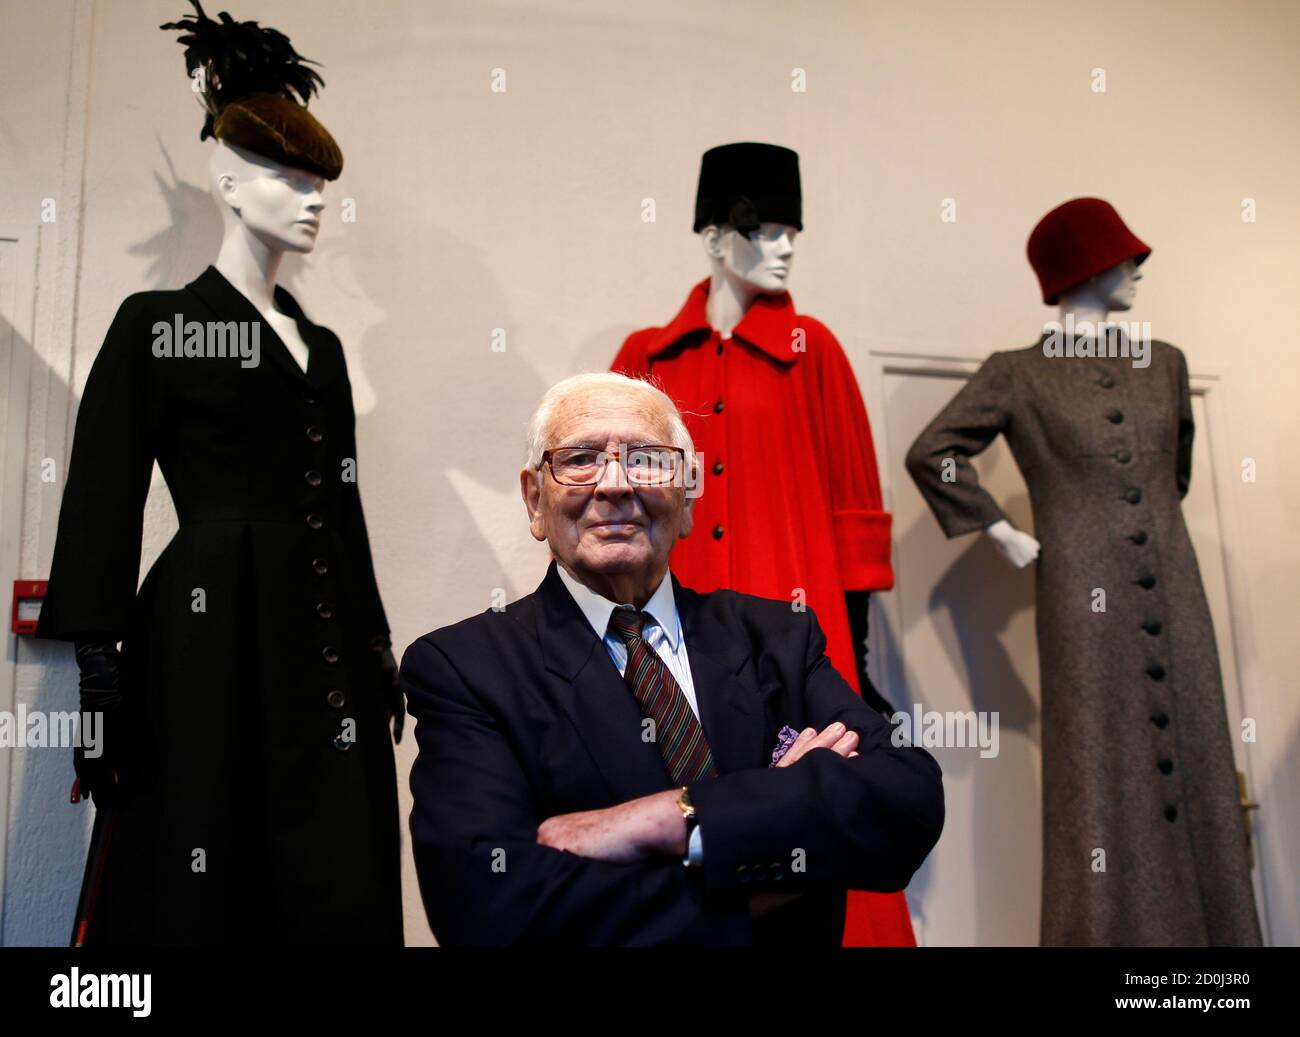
{"x":478,"y":210}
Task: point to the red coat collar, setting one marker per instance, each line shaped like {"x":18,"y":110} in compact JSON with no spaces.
{"x":768,"y":324}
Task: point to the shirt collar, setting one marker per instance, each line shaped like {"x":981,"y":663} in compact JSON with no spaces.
{"x":768,"y":324}
{"x":597,"y":609}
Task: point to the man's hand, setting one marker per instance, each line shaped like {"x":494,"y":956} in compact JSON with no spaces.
{"x":653,"y":824}
{"x":631,"y":831}
{"x":835,"y":737}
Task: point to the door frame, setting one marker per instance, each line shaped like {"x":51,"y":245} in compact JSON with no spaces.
{"x":18,"y":303}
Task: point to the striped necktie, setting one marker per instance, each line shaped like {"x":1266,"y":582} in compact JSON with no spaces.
{"x":677,"y":731}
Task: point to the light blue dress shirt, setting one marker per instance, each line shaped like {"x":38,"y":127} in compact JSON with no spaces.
{"x":663,"y":633}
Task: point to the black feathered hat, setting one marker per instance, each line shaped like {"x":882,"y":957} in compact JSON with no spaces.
{"x":255,"y":88}
{"x":747,"y":184}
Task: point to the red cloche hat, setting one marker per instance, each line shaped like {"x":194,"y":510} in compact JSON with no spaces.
{"x":1077,"y":240}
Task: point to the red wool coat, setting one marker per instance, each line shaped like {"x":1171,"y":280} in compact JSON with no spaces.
{"x":791,"y":495}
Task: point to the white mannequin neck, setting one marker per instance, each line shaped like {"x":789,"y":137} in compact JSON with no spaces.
{"x":251,"y":268}
{"x":728,"y":302}
{"x":1093,"y":314}
{"x":249,"y":265}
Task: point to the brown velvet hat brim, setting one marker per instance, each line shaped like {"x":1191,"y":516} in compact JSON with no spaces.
{"x":280,"y":129}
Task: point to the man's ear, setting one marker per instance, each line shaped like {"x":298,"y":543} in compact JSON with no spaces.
{"x":688,"y":516}
{"x":531,"y":490}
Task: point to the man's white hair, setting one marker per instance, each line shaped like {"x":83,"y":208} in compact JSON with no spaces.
{"x":539,"y":426}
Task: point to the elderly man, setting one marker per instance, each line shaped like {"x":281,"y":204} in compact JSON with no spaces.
{"x":612,"y":759}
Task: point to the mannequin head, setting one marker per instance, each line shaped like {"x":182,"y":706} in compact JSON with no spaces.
{"x":752,"y":264}
{"x":1113,"y":289}
{"x":1082,"y":247}
{"x":274,"y":204}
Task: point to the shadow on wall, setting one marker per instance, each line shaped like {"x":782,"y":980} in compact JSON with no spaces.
{"x":973,"y":604}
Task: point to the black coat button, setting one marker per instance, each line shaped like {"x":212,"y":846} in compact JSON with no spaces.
{"x":717,"y":467}
{"x":330,"y":654}
{"x":717,"y":407}
{"x":1133,"y":495}
{"x":717,"y":532}
{"x":1147,"y":582}
{"x":1156,"y":672}
{"x":1114,"y":416}
{"x":315,"y":521}
{"x":312,"y":477}
{"x":1161,"y":720}
{"x":342,"y":744}
{"x":319,"y":566}
{"x":1139,"y":538}
{"x":1171,"y":812}
{"x":719,"y":349}
{"x":1106,"y":382}
{"x":336,"y":699}
{"x":742,"y":874}
{"x":325,"y":610}
{"x":314,"y":434}
{"x":1152,"y":627}
{"x":775,"y":872}
{"x":1166,"y":766}
{"x":1123,"y":456}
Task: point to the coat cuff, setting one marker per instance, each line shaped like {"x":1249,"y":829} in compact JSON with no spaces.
{"x":863,"y":546}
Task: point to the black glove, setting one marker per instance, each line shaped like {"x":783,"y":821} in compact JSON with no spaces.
{"x":859,"y":605}
{"x":388,"y":670}
{"x":97,"y":776}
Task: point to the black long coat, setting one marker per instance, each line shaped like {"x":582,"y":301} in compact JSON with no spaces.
{"x":261,"y":795}
{"x":1137,"y":757}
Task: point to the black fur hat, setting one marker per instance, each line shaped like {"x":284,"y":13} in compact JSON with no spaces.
{"x":747,"y":184}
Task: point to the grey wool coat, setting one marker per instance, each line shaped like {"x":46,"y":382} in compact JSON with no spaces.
{"x":1137,"y":757}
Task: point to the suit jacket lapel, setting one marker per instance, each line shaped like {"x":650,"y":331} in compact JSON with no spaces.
{"x":596,"y":698}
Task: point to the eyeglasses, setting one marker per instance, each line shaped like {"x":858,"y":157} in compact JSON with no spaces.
{"x":648,"y":464}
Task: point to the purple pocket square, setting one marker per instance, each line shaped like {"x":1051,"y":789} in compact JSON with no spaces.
{"x":784,"y":739}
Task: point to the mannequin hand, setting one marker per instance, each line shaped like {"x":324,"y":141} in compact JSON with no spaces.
{"x":388,"y":670}
{"x":1017,"y":548}
{"x":97,"y":775}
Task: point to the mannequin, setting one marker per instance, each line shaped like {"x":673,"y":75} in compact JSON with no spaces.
{"x":1144,"y":842}
{"x":246,"y":792}
{"x":1092,"y":301}
{"x":267,"y":209}
{"x":789,"y":504}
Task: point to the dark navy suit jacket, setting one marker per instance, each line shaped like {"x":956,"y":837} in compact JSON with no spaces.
{"x":522,"y":715}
